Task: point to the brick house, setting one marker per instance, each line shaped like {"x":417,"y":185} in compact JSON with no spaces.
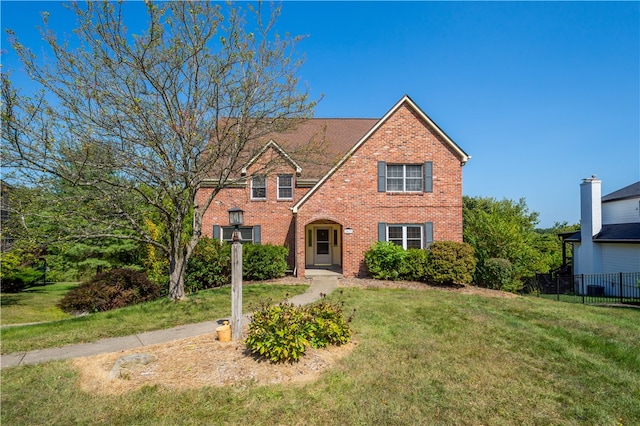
{"x":396,"y":179}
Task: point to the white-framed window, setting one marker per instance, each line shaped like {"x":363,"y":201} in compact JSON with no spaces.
{"x":285,"y":187}
{"x":258,"y":187}
{"x":411,"y":178}
{"x":404,"y":178}
{"x":406,"y":236}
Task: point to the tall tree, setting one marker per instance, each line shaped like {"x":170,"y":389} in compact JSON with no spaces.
{"x":505,"y":229}
{"x":140,"y":121}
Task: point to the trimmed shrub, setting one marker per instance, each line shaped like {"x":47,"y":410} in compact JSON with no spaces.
{"x":497,"y":273}
{"x":449,"y":262}
{"x":277,"y":333}
{"x":327,"y":325}
{"x":386,"y":261}
{"x":209,"y":265}
{"x":415,"y":265}
{"x":281,"y":333}
{"x":264,"y":262}
{"x":113,"y":289}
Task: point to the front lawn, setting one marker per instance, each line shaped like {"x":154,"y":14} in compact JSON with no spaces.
{"x":422,"y":357}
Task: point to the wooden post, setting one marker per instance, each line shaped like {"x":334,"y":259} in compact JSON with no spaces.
{"x":236,"y":287}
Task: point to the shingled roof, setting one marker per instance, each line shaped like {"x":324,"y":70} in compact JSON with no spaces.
{"x":317,"y":144}
{"x":630,"y":191}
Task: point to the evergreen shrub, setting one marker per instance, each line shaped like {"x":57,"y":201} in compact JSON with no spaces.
{"x":497,"y":273}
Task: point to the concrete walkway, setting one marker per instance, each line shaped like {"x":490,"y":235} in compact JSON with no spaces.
{"x":323,"y":282}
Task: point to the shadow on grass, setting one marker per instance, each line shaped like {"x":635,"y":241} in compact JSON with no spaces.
{"x":10,"y":300}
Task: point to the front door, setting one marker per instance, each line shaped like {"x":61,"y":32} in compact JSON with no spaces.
{"x":322,"y":251}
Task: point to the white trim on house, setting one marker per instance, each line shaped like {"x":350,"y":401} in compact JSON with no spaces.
{"x":464,"y":157}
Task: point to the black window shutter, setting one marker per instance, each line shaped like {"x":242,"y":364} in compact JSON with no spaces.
{"x":382,"y":176}
{"x":428,"y":176}
{"x":382,"y":231}
{"x":256,"y":234}
{"x":428,"y":234}
{"x":216,"y":232}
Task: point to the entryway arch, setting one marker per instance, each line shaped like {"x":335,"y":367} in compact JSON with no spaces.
{"x":323,"y":245}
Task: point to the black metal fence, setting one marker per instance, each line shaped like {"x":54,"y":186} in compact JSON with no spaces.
{"x":620,"y":287}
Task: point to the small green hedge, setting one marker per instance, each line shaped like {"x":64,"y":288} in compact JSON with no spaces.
{"x":263,"y":262}
{"x":445,"y":262}
{"x":386,"y":261}
{"x":210,"y":264}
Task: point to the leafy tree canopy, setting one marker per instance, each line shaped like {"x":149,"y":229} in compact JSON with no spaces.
{"x":505,"y":229}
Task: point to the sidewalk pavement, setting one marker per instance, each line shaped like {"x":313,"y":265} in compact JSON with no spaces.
{"x":323,"y":282}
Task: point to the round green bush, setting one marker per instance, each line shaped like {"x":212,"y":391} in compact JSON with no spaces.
{"x":386,"y":261}
{"x":496,"y":273}
{"x":449,"y":262}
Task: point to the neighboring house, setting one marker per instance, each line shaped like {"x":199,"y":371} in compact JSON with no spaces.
{"x":609,"y":237}
{"x":395,"y":179}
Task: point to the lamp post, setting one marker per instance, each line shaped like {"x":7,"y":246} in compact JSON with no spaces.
{"x":236,"y":219}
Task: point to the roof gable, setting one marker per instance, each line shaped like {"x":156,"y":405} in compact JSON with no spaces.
{"x":406,"y":100}
{"x":271,"y":144}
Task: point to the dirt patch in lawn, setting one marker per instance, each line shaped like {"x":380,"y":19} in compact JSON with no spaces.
{"x":202,"y":361}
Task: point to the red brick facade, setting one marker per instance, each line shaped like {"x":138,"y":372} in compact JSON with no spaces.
{"x":347,"y":205}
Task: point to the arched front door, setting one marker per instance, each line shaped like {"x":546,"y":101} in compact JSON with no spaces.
{"x":323,"y":244}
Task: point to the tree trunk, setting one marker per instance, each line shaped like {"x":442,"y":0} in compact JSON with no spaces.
{"x":176,"y":277}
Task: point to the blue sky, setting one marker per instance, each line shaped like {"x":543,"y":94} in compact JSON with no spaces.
{"x":540,"y":94}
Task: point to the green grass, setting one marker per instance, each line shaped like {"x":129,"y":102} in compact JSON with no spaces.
{"x":36,"y":304}
{"x":422,"y":357}
{"x":159,"y":314}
